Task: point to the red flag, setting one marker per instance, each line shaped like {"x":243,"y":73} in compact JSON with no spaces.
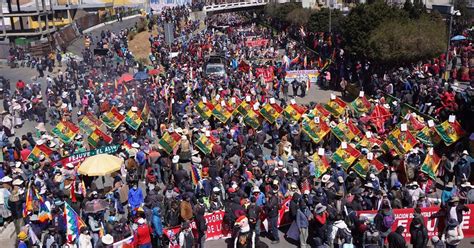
{"x":379,"y":116}
{"x":243,"y":67}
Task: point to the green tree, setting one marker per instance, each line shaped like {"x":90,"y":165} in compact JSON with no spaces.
{"x":299,"y":16}
{"x":319,"y":20}
{"x":362,"y":20}
{"x":466,"y":19}
{"x":400,"y":41}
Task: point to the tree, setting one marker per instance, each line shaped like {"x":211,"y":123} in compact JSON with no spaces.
{"x":299,"y":16}
{"x":401,"y":41}
{"x":465,"y":20}
{"x":319,"y":20}
{"x":362,"y":20}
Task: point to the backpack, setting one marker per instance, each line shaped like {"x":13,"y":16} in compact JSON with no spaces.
{"x":343,"y":235}
{"x":388,"y":221}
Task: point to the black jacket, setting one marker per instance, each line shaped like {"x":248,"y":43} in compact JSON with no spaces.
{"x":396,"y":240}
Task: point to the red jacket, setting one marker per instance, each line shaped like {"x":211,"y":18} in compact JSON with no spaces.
{"x":142,"y":235}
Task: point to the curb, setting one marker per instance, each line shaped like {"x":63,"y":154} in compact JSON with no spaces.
{"x":106,"y":23}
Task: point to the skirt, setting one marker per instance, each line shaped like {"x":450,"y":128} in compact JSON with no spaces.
{"x":4,"y":212}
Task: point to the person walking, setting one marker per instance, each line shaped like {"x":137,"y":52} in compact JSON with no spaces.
{"x":419,"y":234}
{"x":303,"y":216}
{"x":273,"y":206}
{"x":454,"y":234}
{"x":142,"y":235}
{"x":395,"y":238}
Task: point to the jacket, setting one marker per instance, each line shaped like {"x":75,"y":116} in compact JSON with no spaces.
{"x":302,"y":217}
{"x":396,"y":240}
{"x":142,"y":235}
{"x":157,"y":224}
{"x":85,"y":241}
{"x":454,"y":236}
{"x":419,"y":236}
{"x":135,"y":197}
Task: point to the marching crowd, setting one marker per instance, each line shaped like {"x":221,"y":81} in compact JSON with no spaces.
{"x":249,"y":171}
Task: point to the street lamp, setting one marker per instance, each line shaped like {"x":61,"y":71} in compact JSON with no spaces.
{"x":451,"y":15}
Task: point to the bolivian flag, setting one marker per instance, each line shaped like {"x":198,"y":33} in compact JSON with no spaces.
{"x":253,"y":119}
{"x":319,"y":111}
{"x":233,"y":104}
{"x":293,"y":112}
{"x":169,"y":141}
{"x":361,"y":105}
{"x":431,"y":164}
{"x":221,"y":113}
{"x":414,"y":124}
{"x":204,"y":109}
{"x":321,"y":165}
{"x":336,"y":107}
{"x":449,"y":132}
{"x":95,"y":137}
{"x":89,"y":123}
{"x":345,"y":157}
{"x":133,"y":120}
{"x":245,"y":107}
{"x":403,"y":141}
{"x":428,"y":136}
{"x":205,"y":144}
{"x":369,"y":142}
{"x":65,"y":131}
{"x":316,"y":131}
{"x":38,"y":150}
{"x":145,"y":113}
{"x":363,"y":166}
{"x":271,"y":112}
{"x":113,"y":119}
{"x":346,"y":131}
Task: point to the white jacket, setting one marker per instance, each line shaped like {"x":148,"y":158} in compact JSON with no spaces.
{"x":454,"y":236}
{"x":85,"y":241}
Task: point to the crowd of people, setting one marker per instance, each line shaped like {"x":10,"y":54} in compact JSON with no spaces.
{"x":250,"y":171}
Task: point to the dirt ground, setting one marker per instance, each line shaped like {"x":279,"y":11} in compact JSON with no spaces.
{"x":140,"y":46}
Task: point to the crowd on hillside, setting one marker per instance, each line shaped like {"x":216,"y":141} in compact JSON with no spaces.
{"x":249,"y":171}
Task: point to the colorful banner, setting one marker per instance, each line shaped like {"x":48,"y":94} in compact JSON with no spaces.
{"x":113,"y":119}
{"x":345,"y":157}
{"x":316,"y":131}
{"x":449,"y":132}
{"x":321,"y":165}
{"x":302,"y":76}
{"x":271,"y":112}
{"x":266,"y":73}
{"x":428,"y":136}
{"x":320,"y":111}
{"x":216,"y":229}
{"x":89,"y":123}
{"x":221,"y":113}
{"x":431,"y":164}
{"x":245,"y":107}
{"x":404,"y":217}
{"x":145,"y":113}
{"x":336,"y":107}
{"x":346,"y":131}
{"x":233,"y":104}
{"x":253,"y":119}
{"x":133,"y":120}
{"x":205,"y":144}
{"x":361,"y":105}
{"x":403,"y":141}
{"x":204,"y":109}
{"x":96,"y":136}
{"x":293,"y":112}
{"x":38,"y":150}
{"x":81,"y":156}
{"x":169,"y":141}
{"x":65,"y":131}
{"x":363,"y":166}
{"x":256,"y":42}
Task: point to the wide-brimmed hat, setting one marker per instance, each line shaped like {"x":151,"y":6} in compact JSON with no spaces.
{"x":175,"y":159}
{"x":325,"y":178}
{"x":40,"y":127}
{"x":17,"y":182}
{"x":320,"y":208}
{"x":107,"y":239}
{"x":22,"y":236}
{"x":467,"y":185}
{"x":6,"y":179}
{"x":454,"y":199}
{"x":135,"y":145}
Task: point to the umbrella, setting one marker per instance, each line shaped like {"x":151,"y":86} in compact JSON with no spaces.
{"x":141,"y":75}
{"x":125,"y":78}
{"x":154,"y":72}
{"x":458,"y":37}
{"x":100,"y":165}
{"x":95,"y":206}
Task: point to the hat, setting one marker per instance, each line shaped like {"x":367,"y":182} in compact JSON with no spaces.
{"x":175,"y":159}
{"x":70,"y":165}
{"x":194,"y":152}
{"x":454,"y":199}
{"x":196,"y":160}
{"x":6,"y":179}
{"x":40,"y":142}
{"x":255,"y":190}
{"x":179,"y":130}
{"x":22,"y":236}
{"x":52,"y":144}
{"x":369,"y":185}
{"x":41,"y":127}
{"x":372,"y":176}
{"x":465,"y":152}
{"x":467,"y":185}
{"x":78,"y":137}
{"x":325,"y":178}
{"x":340,"y":179}
{"x":107,"y":239}
{"x":243,"y":223}
{"x":320,"y":208}
{"x":141,"y":221}
{"x":34,"y":217}
{"x":17,"y":164}
{"x":135,"y":145}
{"x":17,"y":182}
{"x":216,"y":190}
{"x":254,"y":162}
